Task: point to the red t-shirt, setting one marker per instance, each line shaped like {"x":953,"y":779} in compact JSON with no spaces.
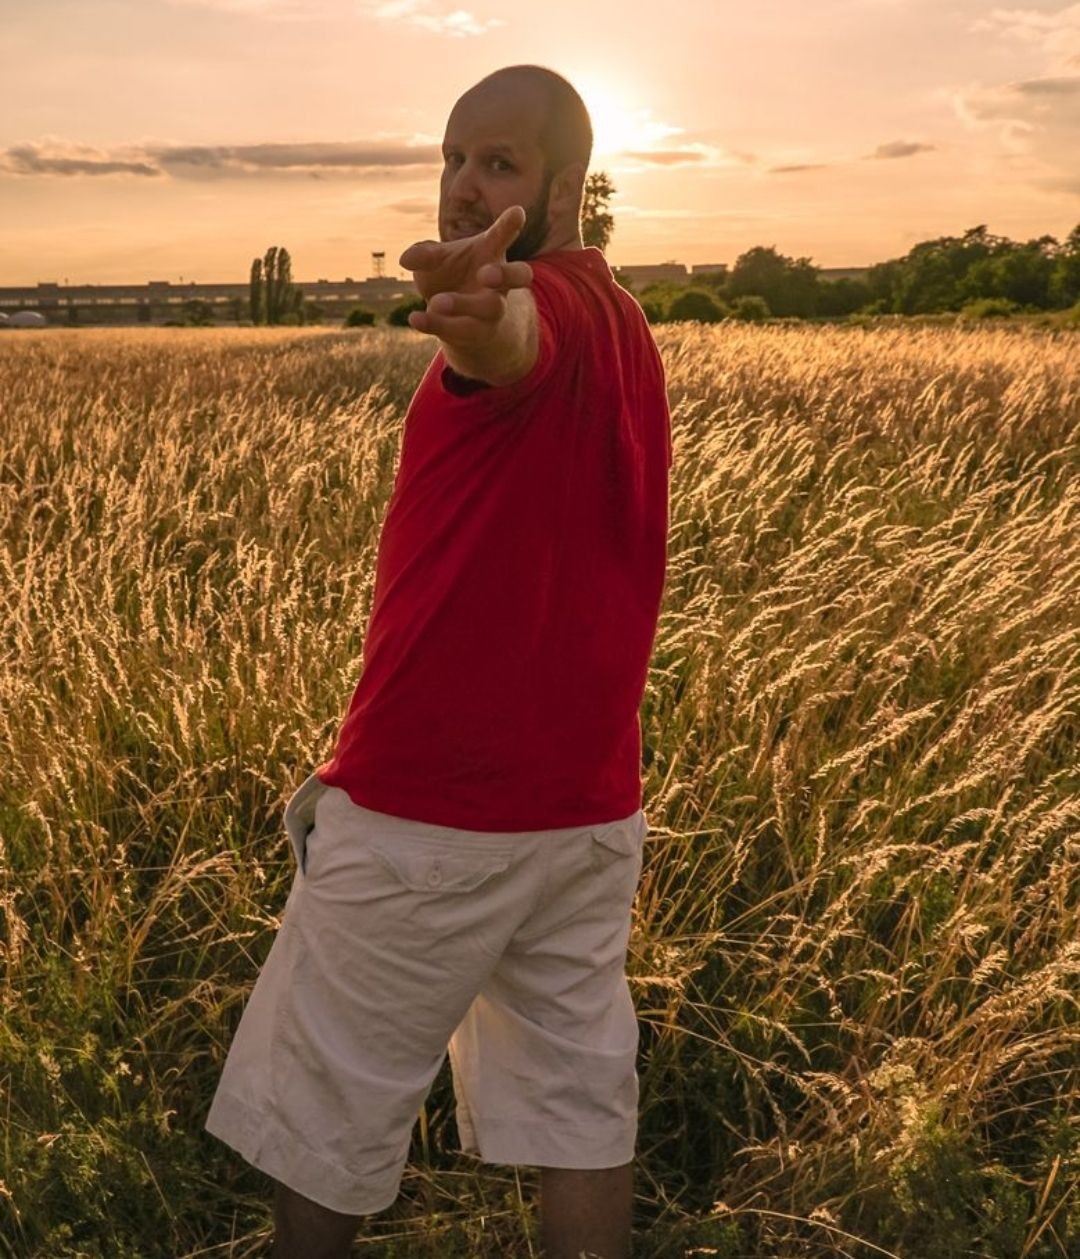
{"x":519,"y":579}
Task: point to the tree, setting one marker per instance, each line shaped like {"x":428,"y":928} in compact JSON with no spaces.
{"x":1065,"y":282}
{"x":274,"y":298}
{"x":360,"y":317}
{"x":788,"y":285}
{"x":256,"y":293}
{"x":596,"y":224}
{"x":842,"y":297}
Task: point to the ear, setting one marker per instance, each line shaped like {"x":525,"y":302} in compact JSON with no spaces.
{"x":568,"y":186}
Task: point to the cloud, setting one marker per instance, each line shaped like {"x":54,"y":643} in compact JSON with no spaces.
{"x":782,"y":170}
{"x":458,"y":23}
{"x":1055,"y":34}
{"x":59,"y":158}
{"x":663,"y":157}
{"x":318,"y":159}
{"x":900,"y":148}
{"x":892,"y":150}
{"x":326,"y":157}
{"x":701,"y":156}
{"x":420,"y":207}
{"x":1037,"y":122}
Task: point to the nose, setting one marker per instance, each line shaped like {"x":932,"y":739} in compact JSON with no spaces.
{"x":461,"y":190}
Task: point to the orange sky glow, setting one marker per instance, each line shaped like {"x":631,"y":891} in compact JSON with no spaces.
{"x":160,"y":139}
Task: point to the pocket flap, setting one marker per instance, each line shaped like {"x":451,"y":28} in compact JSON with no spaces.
{"x":439,"y":871}
{"x":624,"y":836}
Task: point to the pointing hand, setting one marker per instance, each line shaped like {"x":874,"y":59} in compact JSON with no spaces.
{"x":465,"y":281}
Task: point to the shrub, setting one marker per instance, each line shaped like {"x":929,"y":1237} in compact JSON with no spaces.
{"x":654,"y":311}
{"x":399,"y":316}
{"x":698,"y":305}
{"x":359,"y":317}
{"x":197,"y":313}
{"x":989,"y":308}
{"x":751,"y":308}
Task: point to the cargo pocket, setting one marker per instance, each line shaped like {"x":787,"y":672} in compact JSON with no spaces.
{"x":427,"y":870}
{"x":615,"y":844}
{"x":300,"y":816}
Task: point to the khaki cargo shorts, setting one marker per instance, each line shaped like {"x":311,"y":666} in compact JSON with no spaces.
{"x":403,"y":940}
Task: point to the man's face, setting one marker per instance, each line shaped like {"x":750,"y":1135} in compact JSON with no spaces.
{"x":491,"y":160}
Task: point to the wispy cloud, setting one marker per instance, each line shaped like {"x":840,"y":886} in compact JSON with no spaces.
{"x":899,"y":148}
{"x":798,"y":166}
{"x":697,"y":154}
{"x":1056,"y":34}
{"x":415,"y":207}
{"x":319,"y":159}
{"x":426,"y":16}
{"x":1037,"y":122}
{"x":890,"y":151}
{"x":60,"y":158}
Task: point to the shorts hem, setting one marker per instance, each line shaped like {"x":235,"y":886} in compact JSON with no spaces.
{"x":541,"y":1145}
{"x":280,"y":1155}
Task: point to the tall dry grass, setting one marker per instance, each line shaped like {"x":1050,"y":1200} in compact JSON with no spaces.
{"x":855,"y":951}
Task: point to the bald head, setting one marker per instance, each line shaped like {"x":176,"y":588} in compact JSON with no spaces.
{"x":521,"y":135}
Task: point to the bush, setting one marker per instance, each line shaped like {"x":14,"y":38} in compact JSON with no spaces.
{"x":698,"y":305}
{"x":989,"y":308}
{"x":197,"y":314}
{"x":399,"y":316}
{"x":654,"y":311}
{"x":751,"y":308}
{"x":359,"y":317}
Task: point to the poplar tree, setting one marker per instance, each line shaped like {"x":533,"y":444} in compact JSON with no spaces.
{"x":256,"y":298}
{"x":273,"y":293}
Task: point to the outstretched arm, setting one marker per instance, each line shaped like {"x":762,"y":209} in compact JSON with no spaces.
{"x":478,"y":304}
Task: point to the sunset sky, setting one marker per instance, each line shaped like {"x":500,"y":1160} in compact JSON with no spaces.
{"x":159,"y":139}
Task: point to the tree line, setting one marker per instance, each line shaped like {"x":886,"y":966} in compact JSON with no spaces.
{"x":977,"y":273}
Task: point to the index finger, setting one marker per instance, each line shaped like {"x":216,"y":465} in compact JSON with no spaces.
{"x":502,"y":232}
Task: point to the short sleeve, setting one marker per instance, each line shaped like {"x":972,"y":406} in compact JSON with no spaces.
{"x":557,"y":315}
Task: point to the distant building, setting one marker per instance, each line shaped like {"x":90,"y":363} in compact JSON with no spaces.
{"x":160,"y":299}
{"x":707,"y":268}
{"x":650,"y":273}
{"x":27,"y":319}
{"x":4,"y":319}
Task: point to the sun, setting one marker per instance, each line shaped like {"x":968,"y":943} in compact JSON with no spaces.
{"x":617,"y":126}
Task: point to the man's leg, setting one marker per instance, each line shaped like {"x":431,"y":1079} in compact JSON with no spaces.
{"x":306,"y":1230}
{"x":586,"y":1210}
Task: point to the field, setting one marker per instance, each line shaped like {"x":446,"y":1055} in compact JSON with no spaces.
{"x":856,"y":943}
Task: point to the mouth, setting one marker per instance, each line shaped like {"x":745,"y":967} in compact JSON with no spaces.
{"x":465,"y":227}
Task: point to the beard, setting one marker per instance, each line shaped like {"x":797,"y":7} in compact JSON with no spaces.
{"x":530,"y":240}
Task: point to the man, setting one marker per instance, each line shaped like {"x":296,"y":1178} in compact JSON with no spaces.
{"x":468,"y":859}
